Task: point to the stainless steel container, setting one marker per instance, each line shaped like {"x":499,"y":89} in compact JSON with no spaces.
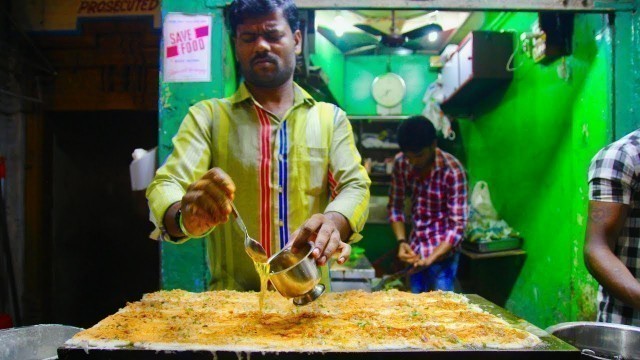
{"x":34,"y":342}
{"x":599,"y":340}
{"x":296,"y":275}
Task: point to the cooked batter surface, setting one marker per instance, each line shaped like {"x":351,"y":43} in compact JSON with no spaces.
{"x":346,"y":321}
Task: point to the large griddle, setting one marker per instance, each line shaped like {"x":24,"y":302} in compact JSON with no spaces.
{"x":552,"y":348}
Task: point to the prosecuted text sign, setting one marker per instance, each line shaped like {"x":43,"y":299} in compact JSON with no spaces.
{"x":56,"y":15}
{"x":187,"y":48}
{"x":95,"y":7}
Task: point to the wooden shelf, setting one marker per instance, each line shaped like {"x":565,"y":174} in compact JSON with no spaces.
{"x":490,"y":255}
{"x":378,"y":117}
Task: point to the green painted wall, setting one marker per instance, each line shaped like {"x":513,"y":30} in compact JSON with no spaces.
{"x":331,"y":60}
{"x":626,"y":86}
{"x":533,"y":147}
{"x":361,"y":70}
{"x":185,"y":266}
{"x":350,"y":78}
{"x":532,"y":143}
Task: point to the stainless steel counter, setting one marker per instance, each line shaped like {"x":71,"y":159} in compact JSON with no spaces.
{"x":355,"y":274}
{"x":551,"y":348}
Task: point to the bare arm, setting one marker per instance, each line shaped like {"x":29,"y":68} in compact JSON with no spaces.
{"x":398,"y":230}
{"x":604,"y":226}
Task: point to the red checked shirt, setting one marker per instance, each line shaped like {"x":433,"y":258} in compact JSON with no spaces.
{"x":438,"y":201}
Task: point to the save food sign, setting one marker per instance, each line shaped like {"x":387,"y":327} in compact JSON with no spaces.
{"x":187,"y":48}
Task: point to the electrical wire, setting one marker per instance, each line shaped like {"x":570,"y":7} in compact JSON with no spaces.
{"x":513,"y":54}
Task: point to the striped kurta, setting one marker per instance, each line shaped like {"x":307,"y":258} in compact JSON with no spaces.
{"x":284,"y":170}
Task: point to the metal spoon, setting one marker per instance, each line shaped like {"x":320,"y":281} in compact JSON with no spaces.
{"x":253,"y":248}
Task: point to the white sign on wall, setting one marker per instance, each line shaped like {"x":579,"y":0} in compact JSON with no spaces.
{"x":187,"y":48}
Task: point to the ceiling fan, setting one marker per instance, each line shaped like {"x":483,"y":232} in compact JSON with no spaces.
{"x":429,"y":38}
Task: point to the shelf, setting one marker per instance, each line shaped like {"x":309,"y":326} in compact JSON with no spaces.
{"x":489,"y":255}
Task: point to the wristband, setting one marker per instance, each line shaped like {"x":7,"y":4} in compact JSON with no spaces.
{"x":184,"y":230}
{"x":402,"y":241}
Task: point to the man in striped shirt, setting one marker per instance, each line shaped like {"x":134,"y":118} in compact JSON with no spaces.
{"x":437,"y":184}
{"x":612,"y":244}
{"x":288,"y":162}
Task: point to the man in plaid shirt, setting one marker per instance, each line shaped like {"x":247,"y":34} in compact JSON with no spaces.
{"x":437,"y":184}
{"x":612,"y":245}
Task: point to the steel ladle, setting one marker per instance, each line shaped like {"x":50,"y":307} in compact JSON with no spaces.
{"x":253,"y":248}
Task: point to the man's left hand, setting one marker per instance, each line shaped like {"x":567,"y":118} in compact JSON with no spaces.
{"x":325,"y":235}
{"x":423,"y":263}
{"x":441,"y":252}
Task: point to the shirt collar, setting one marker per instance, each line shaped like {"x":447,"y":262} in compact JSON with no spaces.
{"x":299,"y":95}
{"x":439,"y":161}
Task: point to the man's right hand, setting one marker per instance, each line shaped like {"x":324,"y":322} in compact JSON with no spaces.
{"x":406,"y":254}
{"x":206,"y":203}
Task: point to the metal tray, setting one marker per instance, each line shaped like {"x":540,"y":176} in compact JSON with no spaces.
{"x":493,"y":245}
{"x":600,"y":340}
{"x":552,"y":348}
{"x":34,"y":342}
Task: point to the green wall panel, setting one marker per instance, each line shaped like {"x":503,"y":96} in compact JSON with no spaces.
{"x":331,"y":60}
{"x":192,"y":6}
{"x":592,"y":115}
{"x":532,"y":142}
{"x":185,"y":266}
{"x":533,"y":148}
{"x":361,"y":70}
{"x":350,"y":77}
{"x":626,"y":79}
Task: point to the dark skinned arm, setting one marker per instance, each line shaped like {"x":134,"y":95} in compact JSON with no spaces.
{"x":605,"y":223}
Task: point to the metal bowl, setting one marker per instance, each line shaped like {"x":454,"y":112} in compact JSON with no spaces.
{"x":34,"y":342}
{"x":296,"y":275}
{"x":599,"y":340}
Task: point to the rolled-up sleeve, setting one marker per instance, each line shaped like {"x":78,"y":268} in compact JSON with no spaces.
{"x":189,"y":160}
{"x":397,"y":192}
{"x":351,"y":179}
{"x":611,"y":174}
{"x":457,"y":205}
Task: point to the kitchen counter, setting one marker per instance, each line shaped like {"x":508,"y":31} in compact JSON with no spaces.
{"x":355,"y":274}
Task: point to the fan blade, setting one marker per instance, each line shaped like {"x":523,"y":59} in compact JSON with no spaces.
{"x":422,"y":31}
{"x":328,"y":34}
{"x":363,"y":50}
{"x":370,"y":29}
{"x":349,"y":40}
{"x":424,"y":45}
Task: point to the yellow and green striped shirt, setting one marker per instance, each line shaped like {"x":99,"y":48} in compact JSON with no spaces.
{"x":285,"y":170}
